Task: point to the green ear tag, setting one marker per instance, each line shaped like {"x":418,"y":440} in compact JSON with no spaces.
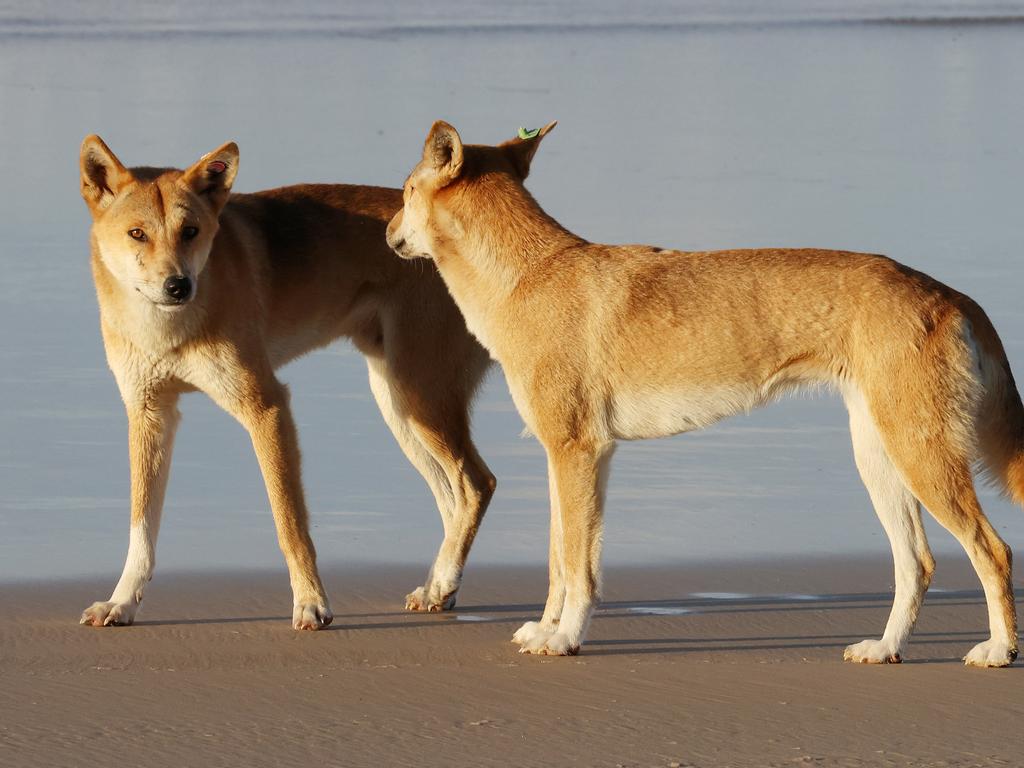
{"x":525,"y":134}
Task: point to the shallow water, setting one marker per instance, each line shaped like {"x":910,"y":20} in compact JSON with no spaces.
{"x":695,"y":125}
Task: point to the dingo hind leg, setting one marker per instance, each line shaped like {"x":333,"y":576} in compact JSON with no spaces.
{"x":390,"y":404}
{"x":948,"y":493}
{"x":428,"y":413}
{"x":930,"y":426}
{"x":900,"y":514}
{"x":472,"y":485}
{"x":1000,"y":443}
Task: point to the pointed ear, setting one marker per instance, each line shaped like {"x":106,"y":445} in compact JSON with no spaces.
{"x":523,"y":147}
{"x":443,"y":151}
{"x":214,"y":173}
{"x":102,"y":174}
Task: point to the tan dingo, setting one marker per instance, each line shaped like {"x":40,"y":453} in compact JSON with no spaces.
{"x":601,"y":343}
{"x":200,"y":289}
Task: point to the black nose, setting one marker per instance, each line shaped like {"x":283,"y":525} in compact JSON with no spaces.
{"x":178,"y":287}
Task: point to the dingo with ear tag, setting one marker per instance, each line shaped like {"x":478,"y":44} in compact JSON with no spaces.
{"x":602,"y":343}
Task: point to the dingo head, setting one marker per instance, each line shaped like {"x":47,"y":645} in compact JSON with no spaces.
{"x":431,"y":213}
{"x":153,"y":228}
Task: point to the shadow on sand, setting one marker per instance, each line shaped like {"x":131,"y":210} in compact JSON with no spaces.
{"x":677,"y":610}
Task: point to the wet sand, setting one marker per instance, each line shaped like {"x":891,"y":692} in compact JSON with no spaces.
{"x":696,"y":665}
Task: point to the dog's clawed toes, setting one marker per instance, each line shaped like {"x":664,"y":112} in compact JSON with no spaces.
{"x":311,"y":616}
{"x":537,"y":638}
{"x":424,"y":599}
{"x":560,"y":645}
{"x":556,"y":644}
{"x":532,"y":636}
{"x":991,"y":653}
{"x":872,"y":652}
{"x":108,"y":614}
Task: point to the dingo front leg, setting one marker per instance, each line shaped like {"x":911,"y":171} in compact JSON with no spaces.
{"x":534,"y":634}
{"x":276,"y":443}
{"x":579,"y":477}
{"x":152,"y":421}
{"x":261,"y":405}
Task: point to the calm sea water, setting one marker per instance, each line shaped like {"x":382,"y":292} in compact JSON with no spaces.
{"x":882,"y":127}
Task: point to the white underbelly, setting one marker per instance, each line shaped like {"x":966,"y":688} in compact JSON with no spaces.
{"x":648,"y":414}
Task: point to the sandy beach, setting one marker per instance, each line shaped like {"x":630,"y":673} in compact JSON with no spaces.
{"x":691,"y":666}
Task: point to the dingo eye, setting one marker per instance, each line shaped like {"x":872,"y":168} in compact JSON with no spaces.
{"x":137,"y":234}
{"x":189,"y":232}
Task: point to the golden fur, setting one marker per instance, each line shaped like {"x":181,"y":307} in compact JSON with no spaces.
{"x":601,"y":343}
{"x":275,"y":274}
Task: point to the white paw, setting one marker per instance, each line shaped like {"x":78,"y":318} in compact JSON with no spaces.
{"x":872,"y":652}
{"x":108,"y":615}
{"x":432,"y":600}
{"x":531,"y":632}
{"x":311,"y":616}
{"x":557,"y":644}
{"x":991,"y":653}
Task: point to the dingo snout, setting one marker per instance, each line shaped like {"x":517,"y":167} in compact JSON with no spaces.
{"x":177,"y":290}
{"x":396,"y":240}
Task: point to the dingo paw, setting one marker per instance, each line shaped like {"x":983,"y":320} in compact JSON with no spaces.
{"x":431,"y":600}
{"x":108,"y":614}
{"x":991,"y":653}
{"x":539,"y":638}
{"x":530,"y":630}
{"x":311,"y":616}
{"x":872,"y":652}
{"x":556,"y":644}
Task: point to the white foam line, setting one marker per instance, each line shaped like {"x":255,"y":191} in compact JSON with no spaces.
{"x":800,"y":597}
{"x":721,"y":595}
{"x":652,"y":610}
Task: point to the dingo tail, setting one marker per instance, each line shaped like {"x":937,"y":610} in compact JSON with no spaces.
{"x":1001,"y":414}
